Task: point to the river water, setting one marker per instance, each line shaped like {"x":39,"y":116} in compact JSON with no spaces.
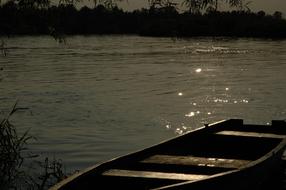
{"x":97,"y":97}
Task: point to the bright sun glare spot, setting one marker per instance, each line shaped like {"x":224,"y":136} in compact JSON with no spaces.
{"x":180,"y":94}
{"x":245,"y":101}
{"x":198,"y":70}
{"x":209,"y":113}
{"x":227,"y":89}
{"x":179,"y":131}
{"x":191,"y":114}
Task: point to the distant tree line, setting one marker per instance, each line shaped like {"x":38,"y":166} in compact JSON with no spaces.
{"x":202,"y":18}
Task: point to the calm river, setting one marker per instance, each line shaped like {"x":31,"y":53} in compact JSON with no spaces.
{"x":97,"y":97}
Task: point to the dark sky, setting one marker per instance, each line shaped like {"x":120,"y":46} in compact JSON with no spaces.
{"x":268,"y":6}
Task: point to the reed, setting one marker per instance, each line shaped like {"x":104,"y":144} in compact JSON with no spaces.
{"x":11,"y":148}
{"x":14,"y":174}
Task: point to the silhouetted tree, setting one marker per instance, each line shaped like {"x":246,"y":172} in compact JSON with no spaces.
{"x":31,"y":3}
{"x":277,"y":15}
{"x":198,"y":5}
{"x":162,"y":3}
{"x":68,"y":2}
{"x":155,"y":3}
{"x":261,"y":13}
{"x":110,"y":4}
{"x":244,"y":6}
{"x":194,"y":6}
{"x":162,"y":19}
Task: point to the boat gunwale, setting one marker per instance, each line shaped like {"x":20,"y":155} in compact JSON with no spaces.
{"x":90,"y":169}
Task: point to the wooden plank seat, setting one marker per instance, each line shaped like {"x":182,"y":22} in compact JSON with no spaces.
{"x":155,"y":175}
{"x":250,"y":134}
{"x":197,"y":161}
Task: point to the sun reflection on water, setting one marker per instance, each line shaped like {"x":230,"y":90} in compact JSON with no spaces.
{"x":168,"y":126}
{"x":224,"y":100}
{"x":191,"y":114}
{"x":181,"y":130}
{"x":206,"y":107}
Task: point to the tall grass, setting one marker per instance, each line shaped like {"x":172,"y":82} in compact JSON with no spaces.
{"x":11,"y":148}
{"x":14,"y":174}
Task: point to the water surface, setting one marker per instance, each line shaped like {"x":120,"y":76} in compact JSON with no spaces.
{"x":97,"y":97}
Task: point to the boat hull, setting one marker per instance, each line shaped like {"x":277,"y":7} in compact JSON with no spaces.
{"x":224,"y":155}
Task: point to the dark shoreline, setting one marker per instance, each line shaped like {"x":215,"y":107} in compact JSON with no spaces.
{"x":159,"y":22}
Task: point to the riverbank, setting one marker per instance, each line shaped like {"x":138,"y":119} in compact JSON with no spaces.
{"x":166,"y":21}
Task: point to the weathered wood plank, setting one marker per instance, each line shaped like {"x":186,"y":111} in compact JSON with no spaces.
{"x":197,"y":161}
{"x":155,"y":175}
{"x":251,"y":134}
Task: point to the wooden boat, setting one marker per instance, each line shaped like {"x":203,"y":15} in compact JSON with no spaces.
{"x":224,"y":155}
